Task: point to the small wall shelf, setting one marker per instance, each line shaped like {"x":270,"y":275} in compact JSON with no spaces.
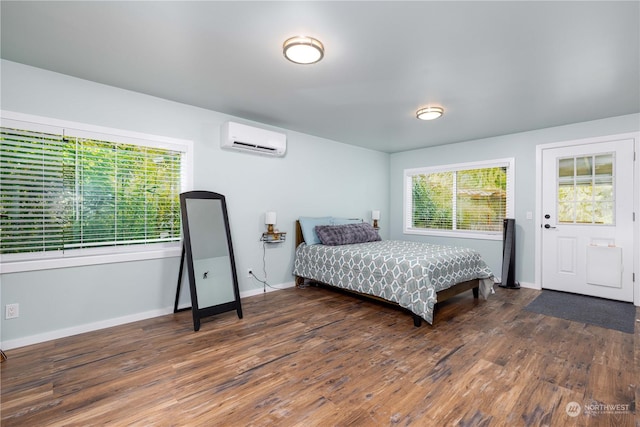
{"x":276,"y":237}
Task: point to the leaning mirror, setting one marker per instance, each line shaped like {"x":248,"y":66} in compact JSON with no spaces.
{"x":208,"y":251}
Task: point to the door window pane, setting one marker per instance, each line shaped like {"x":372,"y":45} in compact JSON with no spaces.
{"x":566,"y":192}
{"x":604,"y":164}
{"x":603,"y":191}
{"x":584,"y":166}
{"x":603,"y":213}
{"x":565,"y":168}
{"x":585,"y":192}
{"x":566,"y":212}
{"x":584,"y":213}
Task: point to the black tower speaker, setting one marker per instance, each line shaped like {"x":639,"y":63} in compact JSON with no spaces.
{"x":509,"y":255}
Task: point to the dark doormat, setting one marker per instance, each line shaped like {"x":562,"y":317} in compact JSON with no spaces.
{"x":609,"y":314}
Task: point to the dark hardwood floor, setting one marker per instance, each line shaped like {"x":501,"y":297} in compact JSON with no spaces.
{"x":314,"y":357}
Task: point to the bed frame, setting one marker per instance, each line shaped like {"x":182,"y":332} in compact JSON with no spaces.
{"x":443,"y":295}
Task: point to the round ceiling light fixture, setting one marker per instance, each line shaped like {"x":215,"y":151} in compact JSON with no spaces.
{"x":429,"y":113}
{"x":303,"y":50}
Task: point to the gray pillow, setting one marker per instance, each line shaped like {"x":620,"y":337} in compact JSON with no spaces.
{"x":346,"y":234}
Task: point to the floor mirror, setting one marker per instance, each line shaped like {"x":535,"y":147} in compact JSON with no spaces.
{"x":208,"y":251}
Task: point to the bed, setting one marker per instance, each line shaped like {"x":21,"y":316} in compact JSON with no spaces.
{"x":411,"y":275}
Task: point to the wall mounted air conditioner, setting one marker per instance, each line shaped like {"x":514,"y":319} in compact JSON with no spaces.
{"x":236,"y":136}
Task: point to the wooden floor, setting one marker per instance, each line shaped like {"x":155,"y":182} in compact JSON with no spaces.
{"x":314,"y":357}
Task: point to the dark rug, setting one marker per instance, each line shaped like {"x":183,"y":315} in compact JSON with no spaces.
{"x":609,"y":314}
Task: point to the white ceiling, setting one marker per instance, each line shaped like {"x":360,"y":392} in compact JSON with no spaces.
{"x":496,"y":67}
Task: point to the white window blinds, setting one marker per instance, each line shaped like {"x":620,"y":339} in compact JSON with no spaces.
{"x":122,"y":194}
{"x":62,"y":193}
{"x":31,"y":191}
{"x":472,"y":198}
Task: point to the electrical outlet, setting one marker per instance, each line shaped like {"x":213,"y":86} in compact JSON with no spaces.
{"x":12,"y":311}
{"x":250,"y":273}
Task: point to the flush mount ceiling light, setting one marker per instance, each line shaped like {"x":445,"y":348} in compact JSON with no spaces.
{"x":429,"y":113}
{"x":303,"y":50}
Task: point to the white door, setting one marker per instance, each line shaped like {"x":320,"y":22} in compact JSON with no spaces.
{"x":587,"y":208}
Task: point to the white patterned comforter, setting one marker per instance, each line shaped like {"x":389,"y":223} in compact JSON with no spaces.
{"x":407,"y":273}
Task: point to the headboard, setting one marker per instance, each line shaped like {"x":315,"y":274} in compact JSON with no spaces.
{"x":299,"y":236}
{"x":299,"y":239}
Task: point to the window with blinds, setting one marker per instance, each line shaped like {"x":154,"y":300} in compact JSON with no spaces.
{"x":464,"y":200}
{"x":31,"y":191}
{"x":63,"y":191}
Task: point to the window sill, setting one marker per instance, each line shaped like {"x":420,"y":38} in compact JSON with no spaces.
{"x":23,"y":265}
{"x":482,"y":235}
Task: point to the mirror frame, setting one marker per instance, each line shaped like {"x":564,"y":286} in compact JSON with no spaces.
{"x":197,"y":311}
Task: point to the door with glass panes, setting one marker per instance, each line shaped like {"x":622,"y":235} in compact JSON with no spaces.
{"x":587,"y":208}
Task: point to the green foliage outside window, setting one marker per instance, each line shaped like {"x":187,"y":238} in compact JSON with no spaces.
{"x":432,"y":201}
{"x":474,"y":199}
{"x":67,"y":193}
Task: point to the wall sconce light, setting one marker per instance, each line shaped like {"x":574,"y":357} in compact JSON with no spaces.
{"x":375,"y":216}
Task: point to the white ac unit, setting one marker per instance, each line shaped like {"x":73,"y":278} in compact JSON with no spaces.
{"x":236,"y":136}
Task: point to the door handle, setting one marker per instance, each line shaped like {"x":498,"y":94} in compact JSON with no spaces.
{"x":547,"y":226}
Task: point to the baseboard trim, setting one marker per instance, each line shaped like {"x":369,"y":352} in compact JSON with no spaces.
{"x":530,"y":286}
{"x":80,"y":329}
{"x":279,"y":287}
{"x":522,"y":284}
{"x":116,"y":321}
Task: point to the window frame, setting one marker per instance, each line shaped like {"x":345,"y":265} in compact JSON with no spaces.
{"x":13,"y":263}
{"x":407,"y":213}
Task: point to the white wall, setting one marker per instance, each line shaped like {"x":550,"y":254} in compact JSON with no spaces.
{"x":316,"y":177}
{"x":521,"y":146}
